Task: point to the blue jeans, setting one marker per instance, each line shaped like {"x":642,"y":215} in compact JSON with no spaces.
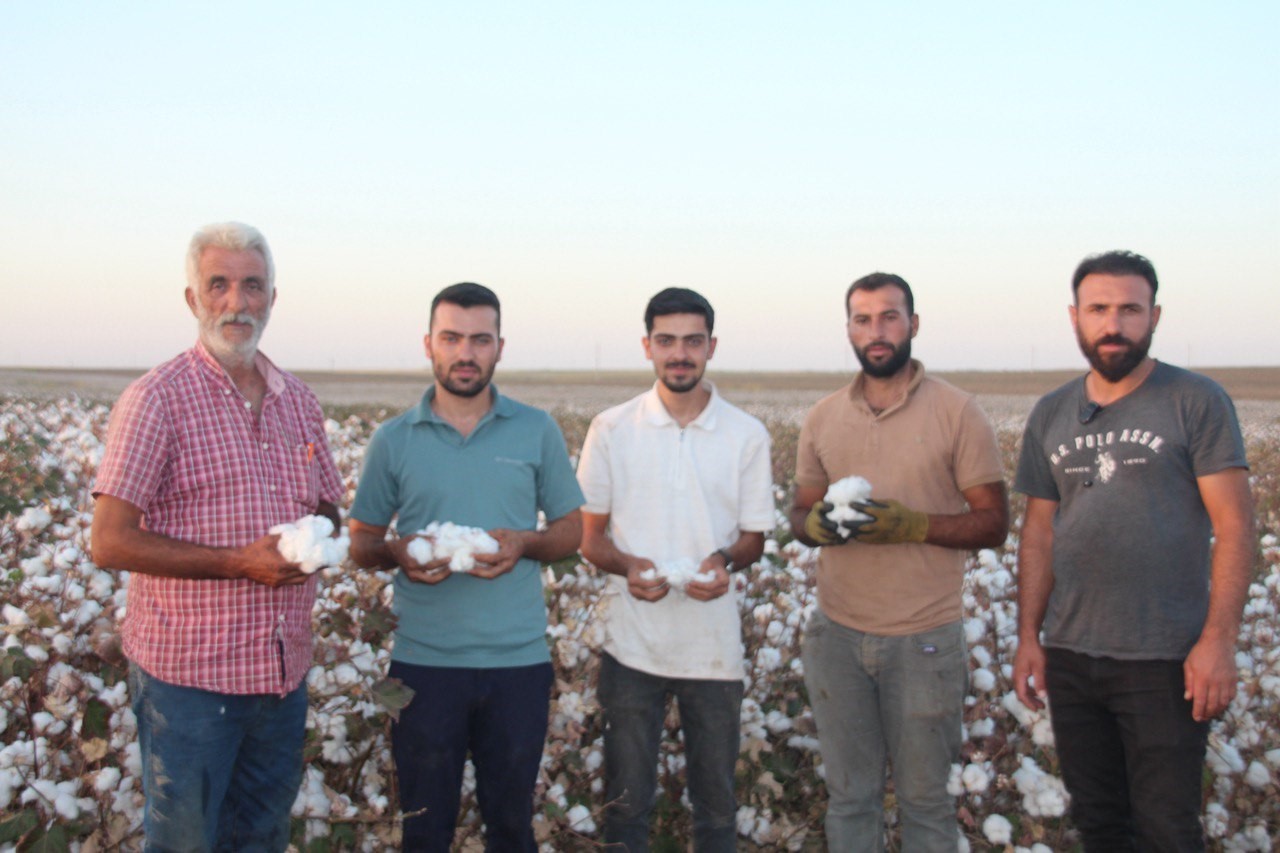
{"x":635,"y":705}
{"x":500,"y":716}
{"x":220,"y":772}
{"x":901,"y":695}
{"x":1130,"y":751}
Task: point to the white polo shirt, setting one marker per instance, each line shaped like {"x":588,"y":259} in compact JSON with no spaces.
{"x":672,"y":494}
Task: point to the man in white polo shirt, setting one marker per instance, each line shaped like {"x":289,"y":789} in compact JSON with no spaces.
{"x":679,"y":493}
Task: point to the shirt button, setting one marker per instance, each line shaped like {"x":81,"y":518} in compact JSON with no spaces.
{"x":265,"y":445}
{"x":226,"y":391}
{"x":273,"y":488}
{"x":248,"y":405}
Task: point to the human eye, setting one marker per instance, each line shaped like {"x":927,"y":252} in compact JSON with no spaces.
{"x":664,"y":340}
{"x":695,"y":340}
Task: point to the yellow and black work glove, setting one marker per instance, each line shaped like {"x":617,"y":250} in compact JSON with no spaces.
{"x":890,"y":523}
{"x":821,"y":529}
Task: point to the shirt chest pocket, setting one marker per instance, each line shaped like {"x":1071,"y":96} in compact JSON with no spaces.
{"x":303,"y":475}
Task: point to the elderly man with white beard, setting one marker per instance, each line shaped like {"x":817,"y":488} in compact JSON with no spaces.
{"x":205,"y":454}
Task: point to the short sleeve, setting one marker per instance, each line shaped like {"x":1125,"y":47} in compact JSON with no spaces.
{"x":755,"y":503}
{"x":1214,"y":434}
{"x":377,"y":493}
{"x":558,"y":491}
{"x":139,"y":448}
{"x":977,"y":456}
{"x":1034,"y":476}
{"x":595,"y":476}
{"x":809,"y":469}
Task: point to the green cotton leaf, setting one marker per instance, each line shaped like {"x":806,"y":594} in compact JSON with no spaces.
{"x":17,"y":826}
{"x":53,"y":841}
{"x":97,"y":719}
{"x":394,"y":695}
{"x":378,"y":625}
{"x":15,"y":664}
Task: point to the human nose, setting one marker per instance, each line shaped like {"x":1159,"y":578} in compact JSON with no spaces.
{"x":237,"y":298}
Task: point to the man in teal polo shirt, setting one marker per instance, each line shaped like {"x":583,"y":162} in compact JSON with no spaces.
{"x":472,"y":646}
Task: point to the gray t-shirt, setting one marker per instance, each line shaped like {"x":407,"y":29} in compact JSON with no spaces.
{"x":1131,"y":534}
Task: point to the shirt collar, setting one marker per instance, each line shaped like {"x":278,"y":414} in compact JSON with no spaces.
{"x":857,"y":391}
{"x":502,"y":407}
{"x":657,"y":415}
{"x":272,"y":374}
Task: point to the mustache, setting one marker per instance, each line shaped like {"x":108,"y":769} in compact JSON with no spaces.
{"x":688,"y":364}
{"x":458,"y":364}
{"x":1113,"y":340}
{"x":247,"y":319}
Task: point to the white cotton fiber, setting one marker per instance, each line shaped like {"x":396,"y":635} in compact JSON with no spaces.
{"x":455,"y":542}
{"x":678,"y":573}
{"x":309,"y":542}
{"x":842,"y":494}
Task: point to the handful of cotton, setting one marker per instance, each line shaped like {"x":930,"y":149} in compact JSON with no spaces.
{"x":456,"y":542}
{"x":309,"y":542}
{"x":678,"y":573}
{"x":842,"y":494}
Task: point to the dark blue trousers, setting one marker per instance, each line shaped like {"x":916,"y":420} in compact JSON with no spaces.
{"x":497,"y":715}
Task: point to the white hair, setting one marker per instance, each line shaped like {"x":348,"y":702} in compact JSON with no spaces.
{"x":235,"y":236}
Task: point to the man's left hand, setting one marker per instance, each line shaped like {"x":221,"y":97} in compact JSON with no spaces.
{"x":714,"y":588}
{"x":890,"y":524}
{"x":1210,"y":673}
{"x":510,"y":550}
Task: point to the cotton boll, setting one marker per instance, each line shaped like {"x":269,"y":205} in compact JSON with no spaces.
{"x":16,"y":617}
{"x":841,"y":495}
{"x":982,"y":728}
{"x":981,"y":656}
{"x":1216,"y":820}
{"x":1257,"y":776}
{"x":1223,"y":758}
{"x":309,"y":542}
{"x":33,"y":520}
{"x":955,"y":784}
{"x":455,"y":542}
{"x":997,"y":829}
{"x":975,"y":778}
{"x":579,"y":818}
{"x":106,"y":780}
{"x":983,"y":680}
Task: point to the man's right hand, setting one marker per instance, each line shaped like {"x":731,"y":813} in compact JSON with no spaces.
{"x":261,"y":562}
{"x":1028,"y":674}
{"x":645,"y":589}
{"x":821,"y":529}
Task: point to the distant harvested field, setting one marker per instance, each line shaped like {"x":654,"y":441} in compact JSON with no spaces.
{"x":1007,"y":396}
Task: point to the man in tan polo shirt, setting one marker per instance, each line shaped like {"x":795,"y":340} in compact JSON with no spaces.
{"x":884,"y":654}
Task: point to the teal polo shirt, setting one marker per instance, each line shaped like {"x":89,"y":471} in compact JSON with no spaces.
{"x":418,"y":469}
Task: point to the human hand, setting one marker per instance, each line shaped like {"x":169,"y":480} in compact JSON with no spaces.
{"x":890,"y":523}
{"x":646,"y":589}
{"x":261,"y":562}
{"x":1211,"y":676}
{"x":821,"y":529}
{"x":714,"y":588}
{"x":510,"y":550}
{"x":430,"y":572}
{"x":1028,"y":674}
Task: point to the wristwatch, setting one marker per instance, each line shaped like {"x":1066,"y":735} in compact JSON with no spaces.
{"x":728,"y":558}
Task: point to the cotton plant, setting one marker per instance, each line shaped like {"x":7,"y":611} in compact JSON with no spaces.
{"x":457,"y":543}
{"x":65,"y":721}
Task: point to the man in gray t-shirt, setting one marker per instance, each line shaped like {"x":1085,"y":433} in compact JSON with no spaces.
{"x":1130,"y":473}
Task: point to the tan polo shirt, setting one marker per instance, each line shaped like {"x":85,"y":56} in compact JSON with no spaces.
{"x":924,"y":452}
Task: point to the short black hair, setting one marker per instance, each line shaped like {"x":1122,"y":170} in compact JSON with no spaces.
{"x":1116,"y":262}
{"x":467,"y":294}
{"x":678,"y":300}
{"x":877,"y":280}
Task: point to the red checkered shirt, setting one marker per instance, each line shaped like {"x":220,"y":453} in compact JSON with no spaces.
{"x":185,"y":447}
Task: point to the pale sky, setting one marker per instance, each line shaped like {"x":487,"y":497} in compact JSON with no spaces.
{"x":579,"y":157}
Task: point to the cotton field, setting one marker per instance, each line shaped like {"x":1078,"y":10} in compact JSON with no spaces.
{"x":69,"y":765}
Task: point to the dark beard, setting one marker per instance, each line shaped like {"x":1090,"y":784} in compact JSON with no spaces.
{"x":682,"y":387}
{"x":1115,"y":368}
{"x":457,"y":389}
{"x":901,"y":355}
